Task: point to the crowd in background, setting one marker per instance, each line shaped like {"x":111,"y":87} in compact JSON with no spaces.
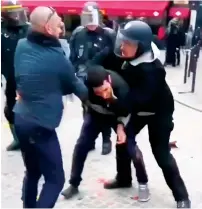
{"x":172,"y":37}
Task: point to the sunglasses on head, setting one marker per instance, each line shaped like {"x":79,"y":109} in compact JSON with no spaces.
{"x":53,"y":11}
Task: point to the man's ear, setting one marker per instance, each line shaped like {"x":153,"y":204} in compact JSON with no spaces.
{"x":48,"y":28}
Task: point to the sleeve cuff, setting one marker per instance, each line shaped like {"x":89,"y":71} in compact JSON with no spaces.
{"x":124,"y":120}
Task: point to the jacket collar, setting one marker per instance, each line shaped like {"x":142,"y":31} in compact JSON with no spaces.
{"x":43,"y":40}
{"x":147,"y":57}
{"x":96,"y":31}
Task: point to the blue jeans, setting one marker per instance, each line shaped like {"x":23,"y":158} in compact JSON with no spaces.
{"x":42,"y":156}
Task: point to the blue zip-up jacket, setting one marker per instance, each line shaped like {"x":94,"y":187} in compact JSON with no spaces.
{"x":43,"y":75}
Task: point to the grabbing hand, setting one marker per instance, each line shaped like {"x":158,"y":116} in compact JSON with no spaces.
{"x":18,"y":97}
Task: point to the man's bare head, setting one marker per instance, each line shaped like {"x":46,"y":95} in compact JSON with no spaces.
{"x":47,"y":21}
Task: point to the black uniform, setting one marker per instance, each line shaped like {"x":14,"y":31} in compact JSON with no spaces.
{"x":105,"y":114}
{"x":175,"y":39}
{"x":151,"y":102}
{"x":89,"y":48}
{"x":11,"y":32}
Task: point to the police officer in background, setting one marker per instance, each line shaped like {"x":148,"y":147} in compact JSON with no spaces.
{"x":128,"y":19}
{"x":14,"y":27}
{"x":92,"y":44}
{"x":151,"y":101}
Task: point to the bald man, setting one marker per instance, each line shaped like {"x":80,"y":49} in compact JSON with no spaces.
{"x":43,"y":75}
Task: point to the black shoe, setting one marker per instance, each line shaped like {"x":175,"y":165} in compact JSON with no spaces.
{"x":184,"y":204}
{"x":14,"y":146}
{"x":70,"y":192}
{"x":114,"y":184}
{"x":106,"y":147}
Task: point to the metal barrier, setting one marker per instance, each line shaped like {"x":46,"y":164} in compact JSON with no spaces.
{"x":186,"y":65}
{"x":191,"y":57}
{"x":194,"y":69}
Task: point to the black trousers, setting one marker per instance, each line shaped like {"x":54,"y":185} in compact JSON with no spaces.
{"x":106,"y":132}
{"x":160,"y":127}
{"x":178,"y":56}
{"x":10,"y":93}
{"x":42,"y":156}
{"x":170,"y":54}
{"x":92,"y":126}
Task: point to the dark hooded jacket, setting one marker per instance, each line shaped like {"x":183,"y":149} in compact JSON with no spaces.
{"x":149,"y":91}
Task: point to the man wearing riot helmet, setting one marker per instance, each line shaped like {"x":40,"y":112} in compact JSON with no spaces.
{"x":151,"y":101}
{"x":14,"y":27}
{"x":91,"y":44}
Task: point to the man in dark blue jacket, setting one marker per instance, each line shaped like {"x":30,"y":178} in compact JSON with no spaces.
{"x":43,"y":75}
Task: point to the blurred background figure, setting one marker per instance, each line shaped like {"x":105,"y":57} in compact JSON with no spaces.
{"x":144,"y":19}
{"x":107,"y":22}
{"x":161,"y":36}
{"x":126,"y":20}
{"x":65,"y":46}
{"x":14,"y":27}
{"x":174,"y":41}
{"x":197,"y":36}
{"x":189,"y":37}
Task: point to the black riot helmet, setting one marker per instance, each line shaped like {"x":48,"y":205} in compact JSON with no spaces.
{"x":13,"y":14}
{"x":135,"y":36}
{"x":90,"y":14}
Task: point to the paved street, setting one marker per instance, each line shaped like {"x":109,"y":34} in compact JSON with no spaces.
{"x":187,"y":132}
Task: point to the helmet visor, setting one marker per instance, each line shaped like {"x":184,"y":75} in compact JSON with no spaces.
{"x":90,"y":18}
{"x":124,"y":46}
{"x":19,"y":16}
